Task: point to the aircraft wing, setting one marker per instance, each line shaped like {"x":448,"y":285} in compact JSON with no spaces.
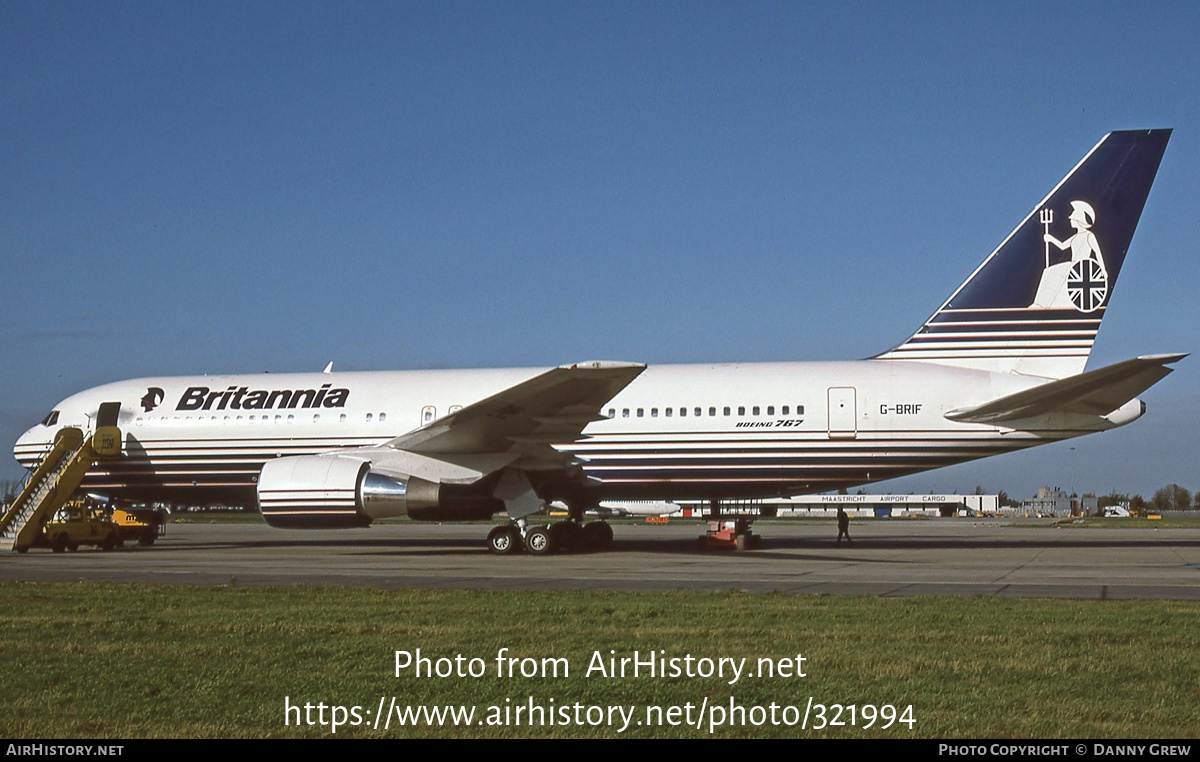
{"x":1097,"y":392}
{"x":513,"y":427}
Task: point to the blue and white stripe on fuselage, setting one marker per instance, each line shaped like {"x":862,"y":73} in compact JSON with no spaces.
{"x":654,"y":445}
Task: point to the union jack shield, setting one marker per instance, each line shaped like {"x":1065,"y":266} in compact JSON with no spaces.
{"x":1087,"y":285}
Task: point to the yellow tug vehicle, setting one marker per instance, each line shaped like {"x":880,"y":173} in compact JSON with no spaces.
{"x":80,"y":523}
{"x":141,"y":524}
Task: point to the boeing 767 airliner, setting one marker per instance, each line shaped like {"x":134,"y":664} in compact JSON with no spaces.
{"x":998,"y":367}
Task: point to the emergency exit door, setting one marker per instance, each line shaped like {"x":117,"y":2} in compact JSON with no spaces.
{"x":843,"y":416}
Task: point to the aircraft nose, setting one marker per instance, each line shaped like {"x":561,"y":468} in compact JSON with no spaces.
{"x":27,"y":444}
{"x":22,"y":440}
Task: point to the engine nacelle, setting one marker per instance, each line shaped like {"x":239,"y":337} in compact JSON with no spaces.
{"x":327,"y":492}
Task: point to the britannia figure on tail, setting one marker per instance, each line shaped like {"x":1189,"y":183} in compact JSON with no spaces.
{"x":1080,"y":283}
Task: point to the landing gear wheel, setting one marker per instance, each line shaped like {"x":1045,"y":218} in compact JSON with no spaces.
{"x":538,"y":541}
{"x":147,"y":540}
{"x":72,"y":546}
{"x":598,"y":535}
{"x":566,"y":535}
{"x":502,"y":540}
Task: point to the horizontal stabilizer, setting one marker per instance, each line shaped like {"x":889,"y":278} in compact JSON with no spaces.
{"x":1097,"y":392}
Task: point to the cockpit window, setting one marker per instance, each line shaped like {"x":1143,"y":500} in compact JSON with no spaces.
{"x":51,"y":419}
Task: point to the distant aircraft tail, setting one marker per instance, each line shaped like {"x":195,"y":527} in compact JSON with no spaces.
{"x":1035,"y":304}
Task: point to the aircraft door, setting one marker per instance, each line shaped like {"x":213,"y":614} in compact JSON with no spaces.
{"x":106,"y":440}
{"x":843,"y":415}
{"x":108,"y":414}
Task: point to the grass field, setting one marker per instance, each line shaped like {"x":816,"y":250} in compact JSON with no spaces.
{"x":106,"y":660}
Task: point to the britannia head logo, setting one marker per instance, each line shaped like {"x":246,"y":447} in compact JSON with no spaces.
{"x":154,"y":395}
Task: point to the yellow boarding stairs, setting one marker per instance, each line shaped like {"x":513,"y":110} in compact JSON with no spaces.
{"x":53,"y":482}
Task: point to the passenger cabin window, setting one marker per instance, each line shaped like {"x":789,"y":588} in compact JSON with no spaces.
{"x":754,"y":411}
{"x":770,"y":410}
{"x":612,"y":412}
{"x":727,"y":410}
{"x":785,"y":409}
{"x":741,"y":410}
{"x":625,"y":412}
{"x":428,"y":413}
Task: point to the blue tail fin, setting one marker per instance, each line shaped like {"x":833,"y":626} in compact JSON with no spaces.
{"x":1035,"y":304}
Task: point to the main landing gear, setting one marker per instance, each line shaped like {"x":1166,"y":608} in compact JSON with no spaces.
{"x":542,"y":539}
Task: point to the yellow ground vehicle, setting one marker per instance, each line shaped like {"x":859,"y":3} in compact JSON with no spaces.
{"x":141,"y":524}
{"x":79,"y":523}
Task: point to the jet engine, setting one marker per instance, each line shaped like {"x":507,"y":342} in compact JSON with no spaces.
{"x":329,"y":492}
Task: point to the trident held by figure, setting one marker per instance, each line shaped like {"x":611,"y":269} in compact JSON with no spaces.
{"x":1047,"y":216}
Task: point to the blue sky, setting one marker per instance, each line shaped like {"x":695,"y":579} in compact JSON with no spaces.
{"x":232,"y":187}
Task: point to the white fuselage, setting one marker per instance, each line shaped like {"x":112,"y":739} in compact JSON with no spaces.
{"x":677,"y":432}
